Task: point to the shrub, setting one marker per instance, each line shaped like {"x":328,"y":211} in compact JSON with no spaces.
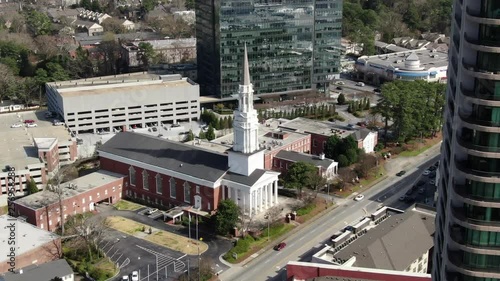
{"x":379,"y":147}
{"x":305,"y":210}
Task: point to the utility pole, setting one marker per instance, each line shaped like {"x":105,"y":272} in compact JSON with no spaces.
{"x":199,"y":260}
{"x":189,"y":225}
{"x":196,"y":227}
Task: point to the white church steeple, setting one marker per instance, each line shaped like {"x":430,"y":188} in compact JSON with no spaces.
{"x":246,"y":122}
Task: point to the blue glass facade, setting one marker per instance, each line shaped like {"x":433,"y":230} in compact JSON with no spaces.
{"x":292,"y":44}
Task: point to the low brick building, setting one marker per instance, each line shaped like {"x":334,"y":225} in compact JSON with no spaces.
{"x":79,"y":196}
{"x":33,"y":245}
{"x":326,"y":167}
{"x":320,"y":131}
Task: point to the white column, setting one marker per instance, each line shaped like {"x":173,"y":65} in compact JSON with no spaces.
{"x":270,"y":194}
{"x":266,"y":196}
{"x":260,"y":199}
{"x":244,"y":206}
{"x":276,"y":192}
{"x":251,"y":203}
{"x":223,"y":192}
{"x":235,"y":195}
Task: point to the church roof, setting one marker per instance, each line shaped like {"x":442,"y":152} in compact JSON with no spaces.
{"x":246,"y":68}
{"x":303,"y":157}
{"x":174,"y":156}
{"x":246,"y":180}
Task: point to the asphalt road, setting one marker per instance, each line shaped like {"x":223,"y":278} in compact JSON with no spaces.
{"x":271,"y":265}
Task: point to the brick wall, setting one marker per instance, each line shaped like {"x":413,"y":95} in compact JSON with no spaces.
{"x":209,"y":196}
{"x":45,"y":253}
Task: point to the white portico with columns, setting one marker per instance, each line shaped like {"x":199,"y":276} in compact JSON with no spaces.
{"x":251,"y":187}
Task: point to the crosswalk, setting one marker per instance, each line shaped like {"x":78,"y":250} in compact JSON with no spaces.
{"x":164,"y":261}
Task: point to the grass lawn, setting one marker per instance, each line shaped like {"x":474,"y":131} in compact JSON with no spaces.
{"x":127,"y":205}
{"x":320,"y":205}
{"x":419,"y":147}
{"x":160,"y":237}
{"x":4,"y":210}
{"x":376,"y":175}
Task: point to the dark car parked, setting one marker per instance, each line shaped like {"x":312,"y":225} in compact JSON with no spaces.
{"x":401,"y":173}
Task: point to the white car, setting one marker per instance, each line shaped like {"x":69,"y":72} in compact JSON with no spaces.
{"x":125,"y":278}
{"x":57,"y":122}
{"x":360,"y":84}
{"x":16,"y":125}
{"x":135,"y":276}
{"x":31,"y":125}
{"x":426,"y":172}
{"x":359,"y":197}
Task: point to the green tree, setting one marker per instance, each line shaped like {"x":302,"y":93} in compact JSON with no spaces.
{"x":299,"y":175}
{"x":147,"y":53}
{"x":39,"y":23}
{"x":32,"y":188}
{"x":86,"y":4}
{"x":226,"y":216}
{"x":230,"y":122}
{"x":190,"y":135}
{"x":342,"y":160}
{"x":148,"y":5}
{"x":210,"y":133}
{"x":331,"y":147}
{"x":189,"y":4}
{"x":96,"y":6}
{"x":352,"y":155}
{"x":202,"y":135}
{"x":341,"y":99}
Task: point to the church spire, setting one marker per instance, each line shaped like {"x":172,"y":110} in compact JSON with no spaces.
{"x":246,"y":68}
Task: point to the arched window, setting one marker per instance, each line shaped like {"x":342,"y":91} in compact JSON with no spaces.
{"x":131,"y":175}
{"x":187,"y":192}
{"x":173,"y":190}
{"x":145,"y":180}
{"x":159,"y":184}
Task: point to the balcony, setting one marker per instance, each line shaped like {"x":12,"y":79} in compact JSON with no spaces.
{"x":477,"y":200}
{"x":489,"y":46}
{"x":477,"y":175}
{"x":480,"y":98}
{"x":478,"y":150}
{"x":456,"y":261}
{"x":463,"y":220}
{"x":472,"y":119}
{"x":473,"y":71}
{"x":457,"y":236}
{"x":477,"y":17}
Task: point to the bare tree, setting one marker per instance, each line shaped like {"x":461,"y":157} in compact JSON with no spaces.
{"x":273,"y":214}
{"x":89,"y":230}
{"x":62,"y":175}
{"x":7,"y":81}
{"x":46,"y":45}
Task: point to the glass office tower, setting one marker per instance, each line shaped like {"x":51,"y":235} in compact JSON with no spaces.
{"x":467,"y":239}
{"x":293,"y":45}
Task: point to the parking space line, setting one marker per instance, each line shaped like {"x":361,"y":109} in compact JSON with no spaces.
{"x":110,"y":249}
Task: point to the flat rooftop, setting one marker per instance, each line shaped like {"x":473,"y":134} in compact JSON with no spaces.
{"x":81,"y":185}
{"x":18,"y":146}
{"x":381,"y":246}
{"x":132,"y":81}
{"x":428,"y":59}
{"x":268,"y":138}
{"x":28,"y":236}
{"x":325,"y":128}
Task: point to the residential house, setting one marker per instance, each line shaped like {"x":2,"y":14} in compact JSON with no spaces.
{"x":128,"y":25}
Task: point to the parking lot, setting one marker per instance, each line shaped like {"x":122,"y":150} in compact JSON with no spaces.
{"x":152,"y":261}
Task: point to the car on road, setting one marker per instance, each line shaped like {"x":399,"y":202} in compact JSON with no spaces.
{"x":421,"y":191}
{"x":16,"y":125}
{"x":339,"y":88}
{"x":432,"y":175}
{"x":420,"y":182}
{"x":359,"y":197}
{"x":409,"y":192}
{"x":410,"y":199}
{"x":280,"y":246}
{"x":151,"y":211}
{"x":340,"y":83}
{"x":125,"y":278}
{"x":432,"y":168}
{"x":360,"y":84}
{"x":401,"y":173}
{"x":377,"y":90}
{"x":135,"y":276}
{"x":29,"y":121}
{"x":436,"y":164}
{"x":432,"y":182}
{"x":426,"y":172}
{"x":31,"y":125}
{"x":402,"y":198}
{"x":56,"y":122}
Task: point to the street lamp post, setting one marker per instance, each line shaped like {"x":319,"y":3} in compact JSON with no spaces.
{"x":199,"y":260}
{"x":267,"y":217}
